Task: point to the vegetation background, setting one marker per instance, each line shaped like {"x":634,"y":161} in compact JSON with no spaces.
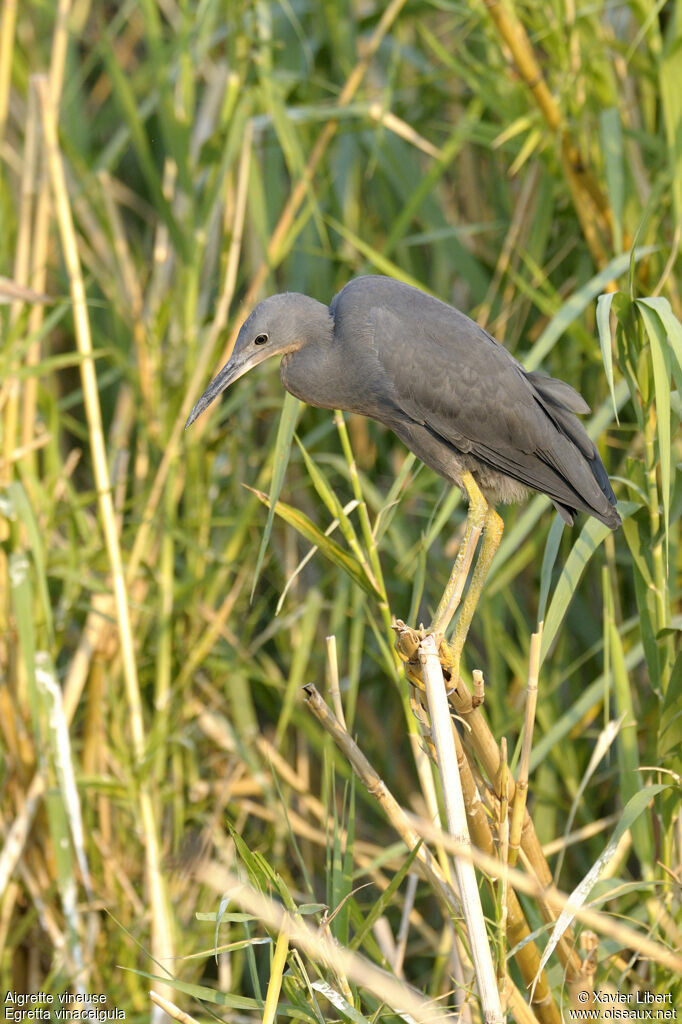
{"x":156,"y":627}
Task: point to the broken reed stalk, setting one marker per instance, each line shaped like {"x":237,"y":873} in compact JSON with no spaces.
{"x":547,"y":896}
{"x":527,"y":954}
{"x":442,"y":735}
{"x":602,"y":922}
{"x":521,"y":794}
{"x":486,"y":752}
{"x":334,"y":689}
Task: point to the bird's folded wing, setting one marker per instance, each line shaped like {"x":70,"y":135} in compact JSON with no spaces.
{"x":468,"y":390}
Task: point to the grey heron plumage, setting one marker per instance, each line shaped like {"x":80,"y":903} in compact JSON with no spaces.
{"x":454,"y":396}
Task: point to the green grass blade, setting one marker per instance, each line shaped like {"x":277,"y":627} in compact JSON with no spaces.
{"x":611,"y":132}
{"x":577,"y":303}
{"x":660,"y":362}
{"x":315,"y":536}
{"x":591,"y":537}
{"x":334,"y":506}
{"x":548,"y":559}
{"x":21,"y":508}
{"x":670,"y":725}
{"x":281,"y":453}
{"x":671,"y":103}
{"x":604,"y":327}
{"x":635,"y":808}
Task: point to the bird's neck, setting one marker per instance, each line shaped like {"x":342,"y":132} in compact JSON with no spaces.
{"x":310,"y":372}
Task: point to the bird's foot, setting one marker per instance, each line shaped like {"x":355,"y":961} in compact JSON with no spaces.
{"x":407,"y":643}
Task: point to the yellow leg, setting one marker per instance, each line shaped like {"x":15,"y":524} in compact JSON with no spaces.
{"x":492,"y":535}
{"x":476,"y":520}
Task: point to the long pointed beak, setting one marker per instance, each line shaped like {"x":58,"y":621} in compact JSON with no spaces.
{"x":236,"y":366}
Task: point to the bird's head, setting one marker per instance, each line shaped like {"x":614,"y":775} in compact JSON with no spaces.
{"x":277,"y":326}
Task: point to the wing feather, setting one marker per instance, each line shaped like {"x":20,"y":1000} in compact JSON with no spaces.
{"x":442,"y":370}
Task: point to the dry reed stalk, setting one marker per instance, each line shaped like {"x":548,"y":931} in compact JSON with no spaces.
{"x":513,"y":921}
{"x":334,"y":691}
{"x":518,"y":930}
{"x":503,"y":849}
{"x":443,"y":740}
{"x":173,"y":1011}
{"x":162,"y":945}
{"x":521,"y":791}
{"x":7,"y":27}
{"x":20,"y":276}
{"x":404,"y":130}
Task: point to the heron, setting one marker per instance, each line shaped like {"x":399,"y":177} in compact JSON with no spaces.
{"x":449,"y":391}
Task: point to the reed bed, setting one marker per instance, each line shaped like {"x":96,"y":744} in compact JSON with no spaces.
{"x":219,"y":775}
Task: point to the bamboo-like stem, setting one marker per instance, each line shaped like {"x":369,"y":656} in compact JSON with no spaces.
{"x":513,"y":919}
{"x":481,"y":741}
{"x":161,"y":927}
{"x":518,"y":932}
{"x":521,"y":793}
{"x":441,"y":732}
{"x":378,"y":789}
{"x":503,"y":844}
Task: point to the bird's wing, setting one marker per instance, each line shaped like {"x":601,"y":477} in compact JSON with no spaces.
{"x":445,"y":372}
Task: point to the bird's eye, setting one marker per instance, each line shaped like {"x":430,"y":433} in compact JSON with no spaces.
{"x":260,"y":339}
